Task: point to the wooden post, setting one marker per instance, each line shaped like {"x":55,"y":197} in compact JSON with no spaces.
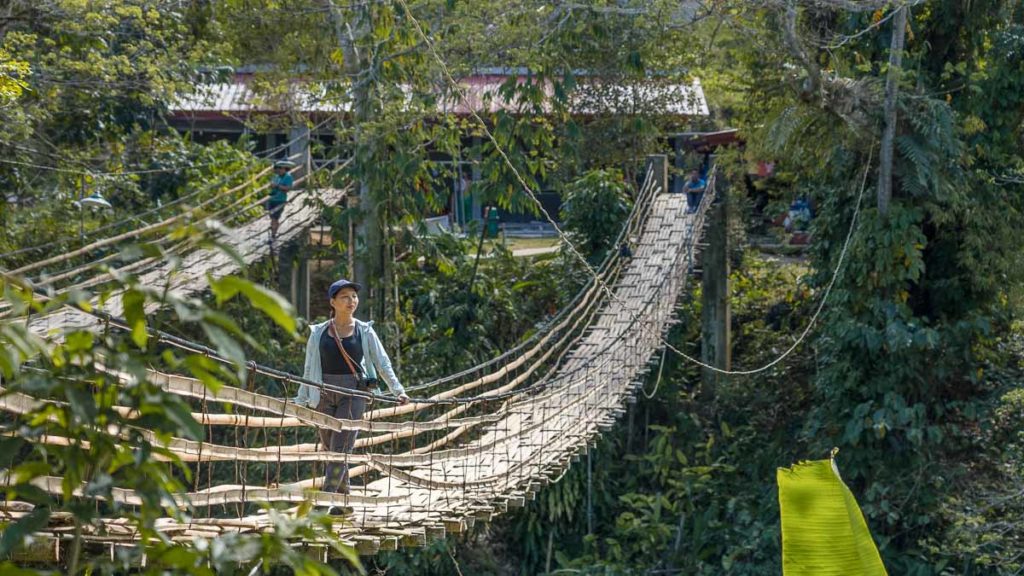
{"x":715,"y":316}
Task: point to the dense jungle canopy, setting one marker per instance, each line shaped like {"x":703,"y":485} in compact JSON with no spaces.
{"x":900,"y":121}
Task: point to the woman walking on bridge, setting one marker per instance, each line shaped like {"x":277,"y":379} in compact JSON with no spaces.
{"x":344,"y":353}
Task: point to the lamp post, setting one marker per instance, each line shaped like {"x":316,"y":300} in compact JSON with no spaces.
{"x":95,"y":201}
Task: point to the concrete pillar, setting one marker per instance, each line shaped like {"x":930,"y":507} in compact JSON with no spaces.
{"x":715,"y":316}
{"x":294,"y":276}
{"x":677,"y":178}
{"x":298,"y":150}
{"x":660,"y":165}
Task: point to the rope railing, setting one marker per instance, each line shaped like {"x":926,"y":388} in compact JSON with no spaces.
{"x":515,"y":383}
{"x":263,"y":154}
{"x":191,"y":275}
{"x":449,"y":396}
{"x":157,"y":226}
{"x":141,"y":266}
{"x":644,"y":197}
{"x":532,"y":419}
{"x":133,"y":267}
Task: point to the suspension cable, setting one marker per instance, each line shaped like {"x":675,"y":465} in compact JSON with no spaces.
{"x":572,"y":248}
{"x":137,"y":216}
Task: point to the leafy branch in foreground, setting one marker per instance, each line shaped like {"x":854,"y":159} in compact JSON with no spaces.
{"x":85,"y":434}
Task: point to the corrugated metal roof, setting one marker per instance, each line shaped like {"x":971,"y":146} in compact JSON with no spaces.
{"x":482,"y":93}
{"x":238,"y":97}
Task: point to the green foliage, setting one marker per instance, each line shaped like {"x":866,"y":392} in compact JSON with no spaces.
{"x":595,"y":208}
{"x":89,"y":431}
{"x":186,"y":179}
{"x":918,"y":318}
{"x":93,"y":81}
{"x":452,"y":319}
{"x":12,"y":78}
{"x":589,"y":56}
{"x":100,"y":68}
{"x":823,"y":530}
{"x":981,"y":517}
{"x":267,"y":301}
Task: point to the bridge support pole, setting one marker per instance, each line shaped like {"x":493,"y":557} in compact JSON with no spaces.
{"x":476,"y":208}
{"x":677,"y":179}
{"x":659,"y":164}
{"x":715,"y":317}
{"x":293,"y":270}
{"x":299,"y":148}
{"x":300,"y":287}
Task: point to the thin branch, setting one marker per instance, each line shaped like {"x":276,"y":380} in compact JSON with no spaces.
{"x":813,"y":88}
{"x":847,"y":38}
{"x":847,"y":5}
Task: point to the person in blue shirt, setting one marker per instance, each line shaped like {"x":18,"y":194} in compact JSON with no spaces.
{"x":800,"y":215}
{"x":694,"y":188}
{"x":280,"y":184}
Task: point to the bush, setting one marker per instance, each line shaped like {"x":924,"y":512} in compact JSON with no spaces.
{"x":595,"y":208}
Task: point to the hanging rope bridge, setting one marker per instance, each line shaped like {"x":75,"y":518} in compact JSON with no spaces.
{"x":486,"y":439}
{"x":181,"y":266}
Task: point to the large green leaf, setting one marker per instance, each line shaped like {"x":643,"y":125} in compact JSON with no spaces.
{"x":14,"y":534}
{"x":134,"y":302}
{"x":823,"y":530}
{"x":269,"y":302}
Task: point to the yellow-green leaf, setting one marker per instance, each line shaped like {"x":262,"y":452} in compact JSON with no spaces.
{"x":133,"y":303}
{"x":823,"y":529}
{"x":269,"y":302}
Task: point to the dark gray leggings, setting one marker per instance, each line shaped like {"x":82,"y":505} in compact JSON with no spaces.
{"x":340,"y":406}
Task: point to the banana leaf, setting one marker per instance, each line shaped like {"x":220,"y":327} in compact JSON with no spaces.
{"x":823,"y":529}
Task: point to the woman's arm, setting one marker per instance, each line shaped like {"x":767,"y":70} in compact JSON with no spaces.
{"x":382,"y":361}
{"x":308,"y":395}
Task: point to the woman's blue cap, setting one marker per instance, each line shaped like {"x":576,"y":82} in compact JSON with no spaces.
{"x":342,"y":284}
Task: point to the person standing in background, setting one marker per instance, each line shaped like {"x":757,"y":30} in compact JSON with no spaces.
{"x":280,"y":185}
{"x":694,"y":188}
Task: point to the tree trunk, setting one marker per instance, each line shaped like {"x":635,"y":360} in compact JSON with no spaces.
{"x":810,"y":90}
{"x":369,"y":260}
{"x":899,"y":26}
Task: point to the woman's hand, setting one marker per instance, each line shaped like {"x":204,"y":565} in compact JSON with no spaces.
{"x":403,"y":399}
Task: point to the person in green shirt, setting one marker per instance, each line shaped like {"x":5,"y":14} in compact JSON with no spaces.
{"x":280,"y":184}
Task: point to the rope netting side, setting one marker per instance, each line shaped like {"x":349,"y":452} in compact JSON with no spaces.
{"x":542,"y":419}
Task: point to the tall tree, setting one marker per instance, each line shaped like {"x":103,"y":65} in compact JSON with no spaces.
{"x":892,"y":82}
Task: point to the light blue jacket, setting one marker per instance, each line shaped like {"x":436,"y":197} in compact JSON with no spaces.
{"x":374,"y":358}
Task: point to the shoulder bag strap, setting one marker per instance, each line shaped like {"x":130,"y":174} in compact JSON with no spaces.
{"x":358,"y":373}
